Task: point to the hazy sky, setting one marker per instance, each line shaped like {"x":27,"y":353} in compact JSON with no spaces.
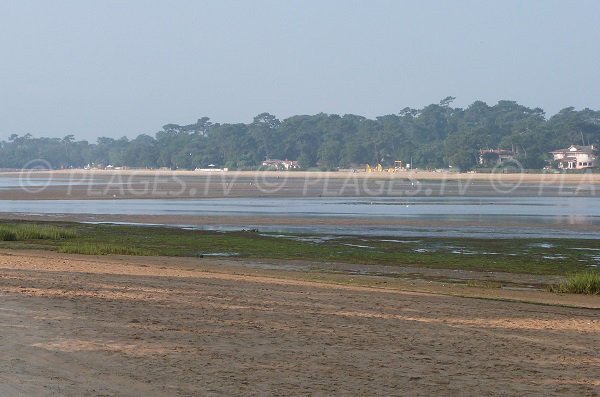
{"x":114,"y":68}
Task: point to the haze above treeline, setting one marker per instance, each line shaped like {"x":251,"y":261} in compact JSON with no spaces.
{"x":436,"y":136}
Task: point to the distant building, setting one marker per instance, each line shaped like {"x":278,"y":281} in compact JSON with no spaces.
{"x":281,"y":164}
{"x":493,"y":157}
{"x":575,"y":157}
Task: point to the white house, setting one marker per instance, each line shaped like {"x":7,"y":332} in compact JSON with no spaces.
{"x":575,"y":157}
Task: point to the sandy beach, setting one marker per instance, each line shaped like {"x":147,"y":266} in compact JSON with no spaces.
{"x":107,"y":326}
{"x":549,"y":176}
{"x":140,"y":184}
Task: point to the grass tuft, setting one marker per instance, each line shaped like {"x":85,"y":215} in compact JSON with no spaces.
{"x":24,"y":232}
{"x":580,"y":283}
{"x":7,"y":235}
{"x":103,"y":249}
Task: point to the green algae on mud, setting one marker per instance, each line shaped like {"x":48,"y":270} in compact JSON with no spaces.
{"x":533,"y":256}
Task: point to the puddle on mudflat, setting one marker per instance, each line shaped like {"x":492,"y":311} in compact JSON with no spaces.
{"x":542,"y":245}
{"x":357,"y":246}
{"x":401,"y":241}
{"x":219,"y":254}
{"x":304,"y":239}
{"x":467,"y":252}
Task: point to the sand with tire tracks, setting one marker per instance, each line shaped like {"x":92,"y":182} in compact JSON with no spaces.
{"x":108,"y":326}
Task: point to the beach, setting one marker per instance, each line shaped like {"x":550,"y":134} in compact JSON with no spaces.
{"x":161,"y":184}
{"x":97,"y":326}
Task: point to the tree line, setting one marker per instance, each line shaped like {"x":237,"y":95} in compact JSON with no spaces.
{"x":436,"y":136}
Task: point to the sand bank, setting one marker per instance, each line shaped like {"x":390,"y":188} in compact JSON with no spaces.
{"x":96,"y":184}
{"x":549,"y":176}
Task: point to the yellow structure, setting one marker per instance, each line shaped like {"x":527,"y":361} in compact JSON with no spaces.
{"x":377,"y":168}
{"x":398,"y":165}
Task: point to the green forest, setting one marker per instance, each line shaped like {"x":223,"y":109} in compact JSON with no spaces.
{"x":436,"y":136}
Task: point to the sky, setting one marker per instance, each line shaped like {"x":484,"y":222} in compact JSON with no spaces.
{"x":125,"y":67}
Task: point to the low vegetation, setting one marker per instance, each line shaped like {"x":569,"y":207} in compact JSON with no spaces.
{"x":533,"y":256}
{"x":26,"y":231}
{"x":587,"y":282}
{"x":102,"y":249}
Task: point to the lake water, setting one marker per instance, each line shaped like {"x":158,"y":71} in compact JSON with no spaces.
{"x":481,"y":216}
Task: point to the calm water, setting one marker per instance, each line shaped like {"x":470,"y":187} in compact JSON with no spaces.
{"x":26,"y":182}
{"x":484,"y":217}
{"x":573,"y":209}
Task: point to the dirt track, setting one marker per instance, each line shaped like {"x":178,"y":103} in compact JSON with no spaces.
{"x":76,"y":326}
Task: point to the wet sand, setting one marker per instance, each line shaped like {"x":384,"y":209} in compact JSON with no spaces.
{"x":336,"y":225}
{"x":98,"y":326}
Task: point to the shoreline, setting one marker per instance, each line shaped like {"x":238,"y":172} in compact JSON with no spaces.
{"x":335,"y":226}
{"x":245,"y":221}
